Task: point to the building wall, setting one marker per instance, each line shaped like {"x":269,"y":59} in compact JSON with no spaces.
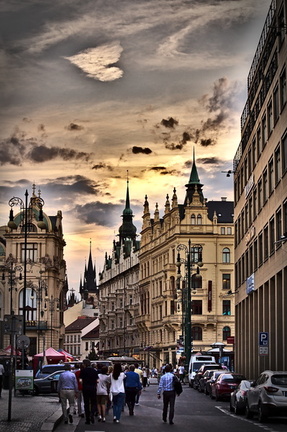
{"x":260,"y":182}
{"x":118,"y":299}
{"x":160,"y":316}
{"x":46,"y":271}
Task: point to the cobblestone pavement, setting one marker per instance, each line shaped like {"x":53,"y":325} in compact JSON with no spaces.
{"x":29,"y":413}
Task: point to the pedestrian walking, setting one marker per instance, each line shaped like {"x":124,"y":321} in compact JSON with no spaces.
{"x":89,"y":377}
{"x":2,"y":370}
{"x":79,"y":400}
{"x":181,"y":370}
{"x":67,"y":390}
{"x":132,"y":386}
{"x":103,"y":388}
{"x":138,"y":371}
{"x":118,"y":391}
{"x":166,"y":387}
{"x":145,"y":376}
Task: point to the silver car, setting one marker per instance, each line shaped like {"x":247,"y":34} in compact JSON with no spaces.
{"x":238,"y":397}
{"x":267,"y":395}
{"x":48,"y":384}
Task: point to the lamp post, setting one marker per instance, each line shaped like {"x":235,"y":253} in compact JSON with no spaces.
{"x":39,"y":290}
{"x":53,"y":304}
{"x":193,"y":257}
{"x":11,"y":268}
{"x":16,"y":201}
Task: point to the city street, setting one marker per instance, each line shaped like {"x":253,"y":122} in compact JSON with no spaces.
{"x":193,"y":412}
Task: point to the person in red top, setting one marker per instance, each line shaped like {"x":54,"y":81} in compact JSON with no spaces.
{"x":80,"y":402}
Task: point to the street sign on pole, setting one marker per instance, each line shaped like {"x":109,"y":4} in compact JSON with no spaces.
{"x":263,"y":343}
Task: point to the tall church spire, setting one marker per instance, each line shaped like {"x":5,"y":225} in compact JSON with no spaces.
{"x":127,"y":229}
{"x":193,"y":184}
{"x":90,"y":283}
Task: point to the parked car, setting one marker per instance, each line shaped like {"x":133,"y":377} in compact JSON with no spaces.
{"x":201,"y":370}
{"x":48,"y":384}
{"x":206,"y":377}
{"x":49,"y":369}
{"x":212,"y":380}
{"x":238,"y":397}
{"x":267,"y":395}
{"x":225,"y":384}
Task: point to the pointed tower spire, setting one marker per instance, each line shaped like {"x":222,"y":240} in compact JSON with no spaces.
{"x":193,"y":184}
{"x":127,"y":229}
{"x":90,"y":283}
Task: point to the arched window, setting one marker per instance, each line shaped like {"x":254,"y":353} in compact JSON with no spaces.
{"x":31,"y":308}
{"x":226,"y":332}
{"x":199,"y":219}
{"x":226,"y":255}
{"x":196,"y":332}
{"x":193,"y":220}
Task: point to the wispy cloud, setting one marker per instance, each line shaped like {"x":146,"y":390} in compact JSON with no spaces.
{"x":96,"y":62}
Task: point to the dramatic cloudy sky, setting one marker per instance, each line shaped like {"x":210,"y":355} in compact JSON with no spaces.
{"x":91,"y":89}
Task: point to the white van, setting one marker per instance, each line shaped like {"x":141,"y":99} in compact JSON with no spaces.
{"x":195,"y":362}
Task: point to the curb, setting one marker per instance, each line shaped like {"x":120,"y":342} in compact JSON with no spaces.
{"x":52,"y":422}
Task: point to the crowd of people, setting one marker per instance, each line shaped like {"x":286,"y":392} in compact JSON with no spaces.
{"x":92,"y":392}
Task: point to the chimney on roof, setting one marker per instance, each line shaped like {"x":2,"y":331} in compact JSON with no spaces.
{"x":223,"y":198}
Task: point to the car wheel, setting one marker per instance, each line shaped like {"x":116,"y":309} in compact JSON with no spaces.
{"x":217,"y":397}
{"x":249,"y":414}
{"x":262,"y":415}
{"x":236,"y":409}
{"x":206,"y":391}
{"x":231,"y":408}
{"x":36,"y":391}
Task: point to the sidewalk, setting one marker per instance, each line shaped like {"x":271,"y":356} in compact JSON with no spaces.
{"x":29,"y":413}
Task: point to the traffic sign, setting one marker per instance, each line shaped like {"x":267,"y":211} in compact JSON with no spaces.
{"x":264,"y":339}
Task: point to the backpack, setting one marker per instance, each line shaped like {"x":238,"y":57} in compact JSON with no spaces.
{"x":177,"y":385}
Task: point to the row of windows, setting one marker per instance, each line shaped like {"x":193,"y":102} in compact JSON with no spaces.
{"x":260,"y":193}
{"x":76,"y":338}
{"x":196,"y":256}
{"x":196,"y":333}
{"x":262,"y":247}
{"x":197,"y":307}
{"x":269,"y":119}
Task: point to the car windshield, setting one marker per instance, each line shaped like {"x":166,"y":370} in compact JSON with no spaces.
{"x":280,"y":380}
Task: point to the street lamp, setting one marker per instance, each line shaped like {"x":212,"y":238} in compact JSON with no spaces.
{"x":39,"y":290}
{"x":16,"y":201}
{"x":53,"y":304}
{"x":11,"y":268}
{"x":193,"y":257}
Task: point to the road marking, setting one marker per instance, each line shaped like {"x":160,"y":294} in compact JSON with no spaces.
{"x":260,"y":425}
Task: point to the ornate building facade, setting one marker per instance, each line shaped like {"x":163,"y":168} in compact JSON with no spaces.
{"x":33,"y":271}
{"x":260,"y":184}
{"x":207,"y":227}
{"x":118,"y":292}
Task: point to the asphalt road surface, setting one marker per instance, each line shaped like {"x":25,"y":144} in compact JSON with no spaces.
{"x":194,"y":411}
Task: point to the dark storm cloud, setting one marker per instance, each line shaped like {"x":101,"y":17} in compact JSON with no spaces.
{"x":144,"y":150}
{"x":209,"y":161}
{"x":102,"y":165}
{"x":207,"y":142}
{"x":12,"y":151}
{"x":216,"y":111}
{"x":169,"y":123}
{"x":157,"y":168}
{"x":98,"y":213}
{"x":74,"y":127}
{"x":19,"y":149}
{"x":42,"y":153}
